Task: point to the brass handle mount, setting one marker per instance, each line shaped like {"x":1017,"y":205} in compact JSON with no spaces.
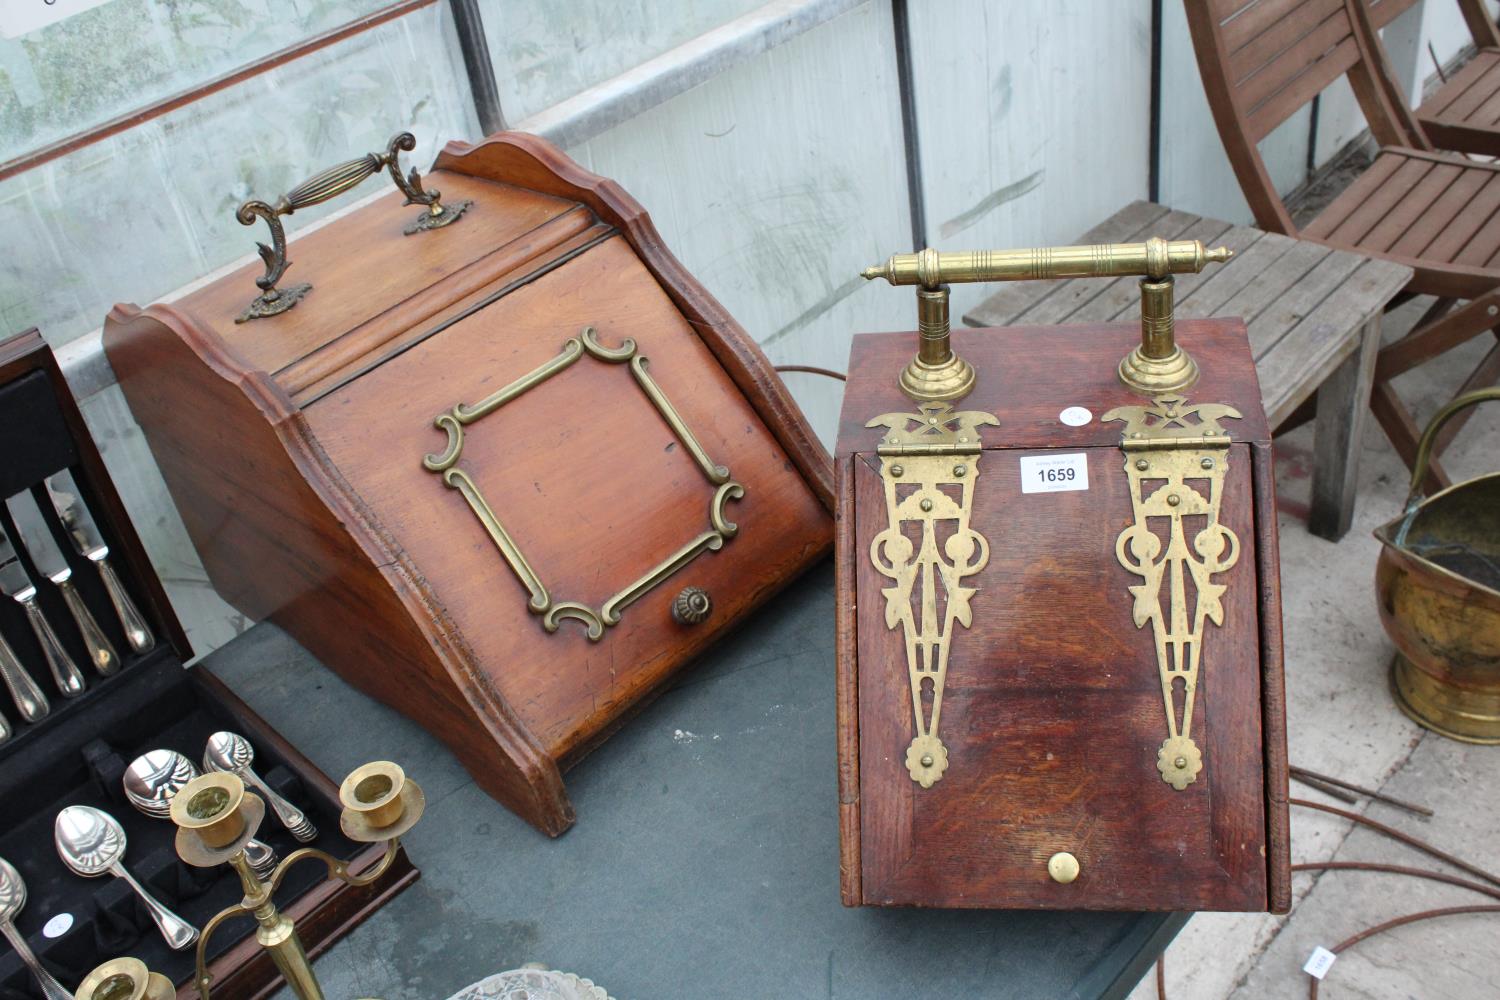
{"x":1157,"y":366}
{"x":322,"y":187}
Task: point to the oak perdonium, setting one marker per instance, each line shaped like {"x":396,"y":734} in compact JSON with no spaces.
{"x":479,"y":466}
{"x":1059,"y":669}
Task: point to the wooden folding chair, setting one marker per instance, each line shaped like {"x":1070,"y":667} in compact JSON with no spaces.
{"x":1263,"y":60}
{"x":1464,"y":113}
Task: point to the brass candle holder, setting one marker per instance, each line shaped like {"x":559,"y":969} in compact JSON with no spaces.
{"x":125,"y":979}
{"x":1156,"y":366}
{"x":216,"y":817}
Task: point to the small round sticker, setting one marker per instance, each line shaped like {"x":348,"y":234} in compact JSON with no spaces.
{"x":1075,"y":416}
{"x":58,"y":925}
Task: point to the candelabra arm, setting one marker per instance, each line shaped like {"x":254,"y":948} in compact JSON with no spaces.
{"x":204,"y":979}
{"x":336,"y":868}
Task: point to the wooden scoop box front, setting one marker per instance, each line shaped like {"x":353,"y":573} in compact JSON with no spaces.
{"x":294,"y":448}
{"x":1053,"y":710}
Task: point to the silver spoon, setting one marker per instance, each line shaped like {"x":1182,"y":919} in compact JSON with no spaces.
{"x":92,"y":842}
{"x":232,"y":752}
{"x":12,"y":898}
{"x":153,"y":778}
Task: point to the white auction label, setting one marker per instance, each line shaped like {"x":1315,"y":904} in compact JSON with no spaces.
{"x":1054,"y":473}
{"x":1321,"y":961}
{"x":1075,"y":416}
{"x":58,"y":925}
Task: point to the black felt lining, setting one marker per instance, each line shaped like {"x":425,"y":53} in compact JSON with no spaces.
{"x":154,"y":704}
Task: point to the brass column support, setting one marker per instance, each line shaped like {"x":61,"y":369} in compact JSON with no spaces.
{"x":937,"y":374}
{"x":1158,"y":366}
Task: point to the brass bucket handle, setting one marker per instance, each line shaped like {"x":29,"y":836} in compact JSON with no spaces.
{"x":1414,"y":495}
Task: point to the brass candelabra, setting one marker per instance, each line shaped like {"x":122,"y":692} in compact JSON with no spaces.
{"x":216,"y":817}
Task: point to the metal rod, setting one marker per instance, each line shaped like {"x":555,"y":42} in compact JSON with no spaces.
{"x":1153,"y":167}
{"x":1302,"y":774}
{"x":131,"y":119}
{"x":469,"y":23}
{"x":900,"y":16}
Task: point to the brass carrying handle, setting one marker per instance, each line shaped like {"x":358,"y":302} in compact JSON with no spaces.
{"x":1424,"y":445}
{"x":1157,"y":366}
{"x":1156,"y":258}
{"x":319,"y":188}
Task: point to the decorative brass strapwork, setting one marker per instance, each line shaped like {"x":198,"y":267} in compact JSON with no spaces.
{"x":926,"y":457}
{"x":1175,"y":458}
{"x":1158,"y":365}
{"x":320,"y":188}
{"x":719,"y":530}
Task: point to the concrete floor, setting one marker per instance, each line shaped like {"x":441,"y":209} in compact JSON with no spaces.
{"x":1342,"y":722}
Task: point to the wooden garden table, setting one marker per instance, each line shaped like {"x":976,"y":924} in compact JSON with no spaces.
{"x":1313,"y":315}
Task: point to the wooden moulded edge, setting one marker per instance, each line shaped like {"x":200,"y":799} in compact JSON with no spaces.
{"x":846,"y":632}
{"x":1273,"y":682}
{"x":533,"y":163}
{"x":497,"y":749}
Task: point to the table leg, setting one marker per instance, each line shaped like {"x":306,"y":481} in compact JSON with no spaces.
{"x":1338,"y":436}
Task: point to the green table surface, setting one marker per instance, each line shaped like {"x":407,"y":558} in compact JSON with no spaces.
{"x":704,"y":863}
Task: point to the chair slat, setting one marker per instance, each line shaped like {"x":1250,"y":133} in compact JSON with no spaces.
{"x":1483,"y":245}
{"x":1281,"y":36}
{"x":1466,"y":104}
{"x":1415,"y":201}
{"x":1452,"y":241}
{"x":1383,"y":12}
{"x":1472,"y":74}
{"x":1440,"y":215}
{"x":1251,"y":19}
{"x":1301,"y":58}
{"x":1287,"y":102}
{"x":1351,"y":202}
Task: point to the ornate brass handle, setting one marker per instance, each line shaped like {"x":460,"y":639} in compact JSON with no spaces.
{"x":1158,"y":365}
{"x":319,"y":188}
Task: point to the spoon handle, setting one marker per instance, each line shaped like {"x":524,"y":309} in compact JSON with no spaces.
{"x":262,"y":858}
{"x":291,"y":817}
{"x":51,"y":988}
{"x":178,"y":932}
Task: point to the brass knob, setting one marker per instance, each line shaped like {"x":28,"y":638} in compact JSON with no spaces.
{"x":1063,"y":867}
{"x":691,"y":606}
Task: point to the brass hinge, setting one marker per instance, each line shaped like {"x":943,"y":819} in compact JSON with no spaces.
{"x":1175,"y":458}
{"x":926,"y":458}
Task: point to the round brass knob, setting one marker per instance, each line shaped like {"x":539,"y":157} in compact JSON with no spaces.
{"x":691,"y":606}
{"x":1063,"y":867}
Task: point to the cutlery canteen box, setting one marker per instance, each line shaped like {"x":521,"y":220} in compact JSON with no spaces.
{"x":1059,"y":669}
{"x":77,"y":753}
{"x":507,"y":474}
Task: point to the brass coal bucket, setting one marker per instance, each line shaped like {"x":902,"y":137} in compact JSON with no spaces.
{"x":1438,"y":587}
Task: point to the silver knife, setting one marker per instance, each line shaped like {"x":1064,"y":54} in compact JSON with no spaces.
{"x":28,"y":697}
{"x":75,"y":515}
{"x":50,"y":562}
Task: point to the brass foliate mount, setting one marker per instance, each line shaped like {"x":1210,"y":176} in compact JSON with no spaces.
{"x":216,"y":817}
{"x":1157,"y":366}
{"x":321,"y":187}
